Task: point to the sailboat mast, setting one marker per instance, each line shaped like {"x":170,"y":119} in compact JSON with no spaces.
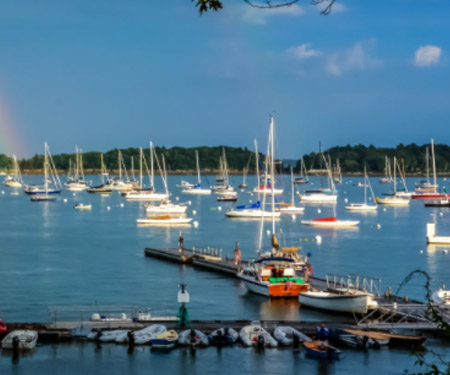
{"x":434,"y":162}
{"x":272,"y":174}
{"x":166,"y":188}
{"x":120,"y":165}
{"x":292,"y":186}
{"x":46,"y":169}
{"x":198,"y":167}
{"x":140,"y":166}
{"x":365,"y":184}
{"x":102,"y":169}
{"x":257,"y":165}
{"x":151,"y":165}
{"x":395,"y":175}
{"x":427,"y":163}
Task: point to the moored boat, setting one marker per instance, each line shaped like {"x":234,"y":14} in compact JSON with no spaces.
{"x":164,"y":220}
{"x":346,"y":303}
{"x":318,"y":349}
{"x":330,"y":222}
{"x":223,"y":336}
{"x":193,"y":337}
{"x":22,"y":339}
{"x":288,"y":336}
{"x":166,"y":340}
{"x":255,"y":335}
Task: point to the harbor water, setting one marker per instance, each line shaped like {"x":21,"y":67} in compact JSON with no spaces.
{"x":53,"y":255}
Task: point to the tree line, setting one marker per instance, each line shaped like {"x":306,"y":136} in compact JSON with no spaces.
{"x":352,"y":158}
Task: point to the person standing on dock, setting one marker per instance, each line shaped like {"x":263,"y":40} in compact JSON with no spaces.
{"x":322,"y":334}
{"x":181,"y":243}
{"x":237,"y":255}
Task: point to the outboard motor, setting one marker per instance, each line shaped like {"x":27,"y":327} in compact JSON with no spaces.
{"x":295,"y":341}
{"x":193,"y":337}
{"x":260,"y":342}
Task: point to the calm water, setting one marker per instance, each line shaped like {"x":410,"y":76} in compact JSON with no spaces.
{"x":53,"y":255}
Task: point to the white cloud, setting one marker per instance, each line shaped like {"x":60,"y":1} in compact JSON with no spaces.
{"x":354,"y":58}
{"x":259,"y":15}
{"x":427,"y":56}
{"x":303,"y":52}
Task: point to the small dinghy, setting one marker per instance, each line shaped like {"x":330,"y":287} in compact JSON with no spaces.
{"x":255,"y":335}
{"x":288,"y":336}
{"x":81,"y":206}
{"x":144,"y":336}
{"x":317,"y":349}
{"x":223,"y":336}
{"x":111,"y":336}
{"x":193,"y":337}
{"x":24,"y":339}
{"x":166,"y":340}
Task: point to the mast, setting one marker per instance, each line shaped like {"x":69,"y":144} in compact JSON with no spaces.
{"x":166,"y":188}
{"x":151,"y":165}
{"x":427,"y":162}
{"x":272,"y":174}
{"x":81,"y":164}
{"x":257,"y":165}
{"x":365,"y":184}
{"x":46,"y":169}
{"x":140,"y":166}
{"x":395,"y":176}
{"x":102,"y":169}
{"x":198,"y":167}
{"x":434,"y":163}
{"x":120,"y":165}
{"x":292,"y":186}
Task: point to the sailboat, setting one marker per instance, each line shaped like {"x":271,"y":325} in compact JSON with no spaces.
{"x":101,"y":189}
{"x":387,"y":179}
{"x":303,"y":179}
{"x":364,"y":206}
{"x":333,"y":221}
{"x":337,"y":175}
{"x":282,"y":272}
{"x":148,"y":194}
{"x":394,"y":200}
{"x":165,"y":206}
{"x":117,"y":183}
{"x":197,"y":188}
{"x":45,"y":193}
{"x":404,"y":193}
{"x":289,"y":208}
{"x":77,"y":182}
{"x":264,"y":182}
{"x":14,"y":181}
{"x":433,"y":194}
{"x":426,"y":186}
{"x":244,"y":175}
{"x":223,"y":187}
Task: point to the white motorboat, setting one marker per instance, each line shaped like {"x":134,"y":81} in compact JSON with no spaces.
{"x":145,"y":195}
{"x":27,"y":339}
{"x":364,"y":206}
{"x":193,"y":337}
{"x":393,"y":201}
{"x":165,"y":220}
{"x":255,"y":335}
{"x":441,"y":297}
{"x":166,"y":207}
{"x":252,"y":211}
{"x":287,"y":335}
{"x":348,"y":303}
{"x":317,"y":197}
{"x":331,"y":222}
{"x":82,"y":206}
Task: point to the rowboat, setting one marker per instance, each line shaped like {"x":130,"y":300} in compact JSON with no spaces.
{"x":166,"y":340}
{"x":346,"y":303}
{"x":394,"y":339}
{"x":317,"y":349}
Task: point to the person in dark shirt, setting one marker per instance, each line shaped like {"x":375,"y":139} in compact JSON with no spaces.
{"x":322,"y":334}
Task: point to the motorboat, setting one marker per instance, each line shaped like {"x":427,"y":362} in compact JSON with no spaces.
{"x":255,"y":335}
{"x":165,"y":207}
{"x":166,"y":340}
{"x":441,"y":297}
{"x":444,"y":202}
{"x":82,"y":206}
{"x":25,"y":339}
{"x":318,"y":349}
{"x":337,"y":302}
{"x":164,"y":220}
{"x":193,"y":337}
{"x":288,"y":336}
{"x":101,"y":189}
{"x":227,"y":198}
{"x":331,"y":222}
{"x":223,"y":336}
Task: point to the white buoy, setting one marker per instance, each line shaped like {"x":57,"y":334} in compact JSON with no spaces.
{"x":293,"y":217}
{"x":379,"y":226}
{"x":319,"y":239}
{"x":219,"y":208}
{"x":346,"y":200}
{"x":441,"y":214}
{"x":421,"y":251}
{"x":195,"y":224}
{"x":251,"y":194}
{"x":74,"y":194}
{"x":445,"y":251}
{"x":122,"y":205}
{"x":189,"y":203}
{"x":268,"y":232}
{"x":319,"y":211}
{"x":65,"y":200}
{"x":194,"y":212}
{"x":3,"y":192}
{"x":108,"y":208}
{"x":251,"y":201}
{"x":384,"y":209}
{"x":177,"y":198}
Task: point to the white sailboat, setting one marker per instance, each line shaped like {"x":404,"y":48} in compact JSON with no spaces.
{"x":118,"y":183}
{"x":77,"y":182}
{"x":303,"y":179}
{"x":148,"y":194}
{"x":289,"y":208}
{"x":426,"y":186}
{"x":45,"y":193}
{"x":222,"y":186}
{"x":14,"y":181}
{"x":197,"y":188}
{"x":264,"y":183}
{"x":387,"y":179}
{"x":394,"y":200}
{"x":337,"y":175}
{"x":101,"y":189}
{"x":364,"y":206}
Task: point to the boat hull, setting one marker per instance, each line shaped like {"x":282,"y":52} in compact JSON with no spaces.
{"x":335,"y":302}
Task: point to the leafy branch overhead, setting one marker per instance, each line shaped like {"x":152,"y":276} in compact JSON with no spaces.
{"x":215,"y":5}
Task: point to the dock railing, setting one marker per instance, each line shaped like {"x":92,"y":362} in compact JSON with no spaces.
{"x":355,"y":282}
{"x":208,"y":251}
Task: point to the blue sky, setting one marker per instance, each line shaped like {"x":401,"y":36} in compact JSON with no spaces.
{"x":119,"y":73}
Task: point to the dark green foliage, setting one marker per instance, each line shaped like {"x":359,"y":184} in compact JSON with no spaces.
{"x":205,"y":5}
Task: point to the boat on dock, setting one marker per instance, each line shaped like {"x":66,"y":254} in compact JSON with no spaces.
{"x":255,"y":335}
{"x":441,"y":297}
{"x":337,"y":302}
{"x":288,"y":336}
{"x":165,"y":341}
{"x":147,"y":334}
{"x":193,"y":337}
{"x":223,"y":337}
{"x":24,"y":339}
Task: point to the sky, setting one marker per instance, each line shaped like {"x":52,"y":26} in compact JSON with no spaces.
{"x":109,"y":74}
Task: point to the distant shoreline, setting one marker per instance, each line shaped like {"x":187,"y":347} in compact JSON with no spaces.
{"x":213,"y":172}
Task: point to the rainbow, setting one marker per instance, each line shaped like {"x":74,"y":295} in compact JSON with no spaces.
{"x":10,"y":140}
